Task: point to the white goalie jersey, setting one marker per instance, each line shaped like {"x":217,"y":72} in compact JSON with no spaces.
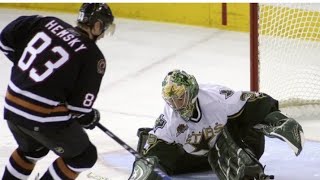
{"x":214,"y":105}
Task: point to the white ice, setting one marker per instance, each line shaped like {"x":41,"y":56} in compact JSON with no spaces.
{"x":138,"y":56}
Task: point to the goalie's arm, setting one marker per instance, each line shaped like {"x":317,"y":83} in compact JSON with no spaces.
{"x":175,"y":160}
{"x":262,"y":113}
{"x":167,"y":153}
{"x":161,"y":154}
{"x":255,"y":110}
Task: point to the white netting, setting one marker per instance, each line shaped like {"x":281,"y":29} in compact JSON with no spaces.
{"x":289,"y":54}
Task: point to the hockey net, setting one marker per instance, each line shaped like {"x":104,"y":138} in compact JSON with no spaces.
{"x":285,"y":55}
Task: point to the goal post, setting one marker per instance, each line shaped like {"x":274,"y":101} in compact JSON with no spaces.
{"x":254,"y":50}
{"x":285,"y":54}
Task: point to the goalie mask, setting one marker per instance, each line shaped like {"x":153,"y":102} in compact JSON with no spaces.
{"x":180,"y":91}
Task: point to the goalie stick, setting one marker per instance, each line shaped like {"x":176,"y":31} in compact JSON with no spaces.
{"x":162,"y":174}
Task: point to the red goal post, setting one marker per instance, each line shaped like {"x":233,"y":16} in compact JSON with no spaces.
{"x":285,"y":54}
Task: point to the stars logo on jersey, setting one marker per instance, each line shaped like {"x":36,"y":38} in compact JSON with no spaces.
{"x":181,"y":129}
{"x":201,"y":140}
{"x":226,"y":92}
{"x":160,"y":123}
{"x":101,"y":66}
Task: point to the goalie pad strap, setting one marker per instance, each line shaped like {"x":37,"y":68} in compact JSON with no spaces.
{"x":231,"y":162}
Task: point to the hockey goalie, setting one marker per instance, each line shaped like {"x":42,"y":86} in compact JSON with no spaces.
{"x":211,"y":127}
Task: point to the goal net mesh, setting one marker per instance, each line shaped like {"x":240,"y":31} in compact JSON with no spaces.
{"x":289,"y":55}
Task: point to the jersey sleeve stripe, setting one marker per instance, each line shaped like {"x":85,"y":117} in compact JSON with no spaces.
{"x":21,"y":162}
{"x":5,"y":48}
{"x":34,"y":107}
{"x":233,"y":116}
{"x":32,"y":95}
{"x":36,"y":118}
{"x":15,"y":173}
{"x":79,"y":109}
{"x":78,"y":170}
{"x":65,"y":170}
{"x":53,"y":173}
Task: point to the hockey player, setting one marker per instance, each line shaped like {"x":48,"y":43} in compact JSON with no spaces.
{"x":212,"y":127}
{"x":55,"y":79}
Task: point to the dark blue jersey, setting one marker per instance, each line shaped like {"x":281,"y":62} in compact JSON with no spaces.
{"x":57,"y":70}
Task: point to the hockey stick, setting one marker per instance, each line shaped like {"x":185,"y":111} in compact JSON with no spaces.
{"x":162,"y":174}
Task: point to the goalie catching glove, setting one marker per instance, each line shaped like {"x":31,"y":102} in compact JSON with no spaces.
{"x":277,"y":125}
{"x":232,"y":162}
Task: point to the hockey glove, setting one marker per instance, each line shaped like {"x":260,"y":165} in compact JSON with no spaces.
{"x":277,"y":125}
{"x":90,"y":120}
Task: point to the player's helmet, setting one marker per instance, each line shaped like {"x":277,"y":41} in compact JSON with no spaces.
{"x":90,"y":13}
{"x":180,"y":91}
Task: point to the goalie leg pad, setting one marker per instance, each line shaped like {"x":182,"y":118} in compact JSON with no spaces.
{"x":277,"y":125}
{"x":231,"y":162}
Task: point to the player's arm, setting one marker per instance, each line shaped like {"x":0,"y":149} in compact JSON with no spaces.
{"x":261,"y":112}
{"x":167,"y":153}
{"x":13,"y":36}
{"x":252,"y":106}
{"x":86,"y":89}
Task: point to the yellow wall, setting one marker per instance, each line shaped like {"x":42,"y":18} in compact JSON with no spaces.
{"x":292,"y":23}
{"x":61,"y":7}
{"x":200,"y":14}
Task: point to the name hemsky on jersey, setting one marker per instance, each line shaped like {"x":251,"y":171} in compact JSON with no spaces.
{"x":66,"y":34}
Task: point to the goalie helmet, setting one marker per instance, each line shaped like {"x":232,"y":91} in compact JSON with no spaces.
{"x":180,"y":91}
{"x":90,"y":13}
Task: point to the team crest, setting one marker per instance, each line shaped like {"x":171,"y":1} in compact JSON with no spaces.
{"x":181,"y":129}
{"x":226,"y":92}
{"x":101,"y":66}
{"x":251,"y":96}
{"x":245,"y":96}
{"x":160,"y":123}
